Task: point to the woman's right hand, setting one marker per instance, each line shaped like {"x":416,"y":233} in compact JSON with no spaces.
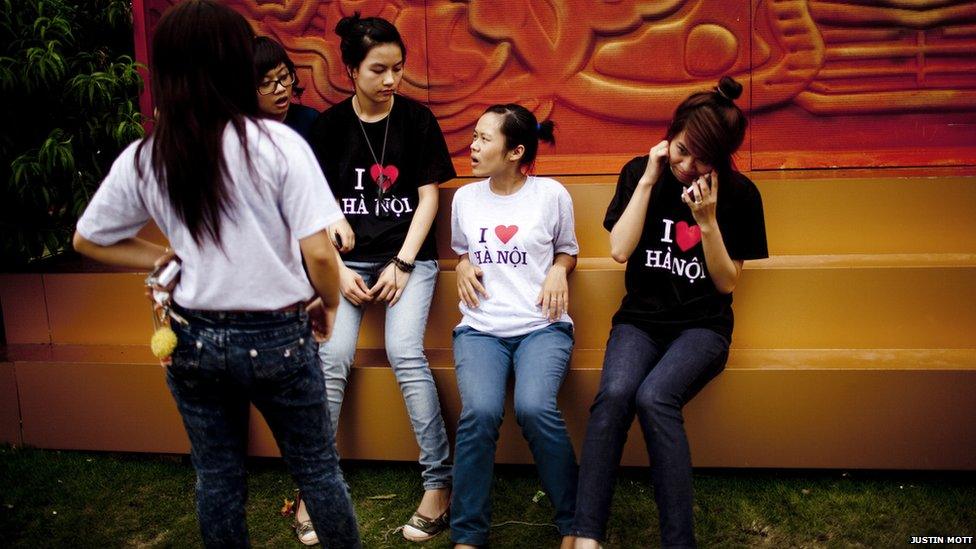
{"x":352,"y":286}
{"x":322,"y":319}
{"x":658,"y":158}
{"x":469,"y":282}
{"x":346,"y":237}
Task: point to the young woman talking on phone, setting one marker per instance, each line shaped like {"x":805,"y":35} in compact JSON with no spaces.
{"x":683,"y":220}
{"x":242,"y":201}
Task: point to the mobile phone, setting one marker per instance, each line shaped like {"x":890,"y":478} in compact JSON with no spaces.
{"x":164,"y":275}
{"x":690,"y":190}
{"x":336,"y":239}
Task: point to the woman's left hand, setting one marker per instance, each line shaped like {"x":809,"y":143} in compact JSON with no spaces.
{"x":554,"y":297}
{"x":703,"y":199}
{"x":390,"y":284}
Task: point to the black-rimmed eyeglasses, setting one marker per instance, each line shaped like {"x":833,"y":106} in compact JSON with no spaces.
{"x":268,"y":87}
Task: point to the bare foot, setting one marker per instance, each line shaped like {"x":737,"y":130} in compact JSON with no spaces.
{"x":586,"y":543}
{"x":465,"y":546}
{"x":435,"y":502}
{"x":568,"y":542}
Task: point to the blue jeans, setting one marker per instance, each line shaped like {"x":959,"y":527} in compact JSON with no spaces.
{"x":653,"y":377}
{"x":405,"y":325}
{"x":539,"y":360}
{"x":222,"y":362}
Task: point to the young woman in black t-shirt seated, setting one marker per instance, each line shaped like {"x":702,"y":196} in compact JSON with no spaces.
{"x":384,"y":155}
{"x":278,"y":84}
{"x":683,"y":220}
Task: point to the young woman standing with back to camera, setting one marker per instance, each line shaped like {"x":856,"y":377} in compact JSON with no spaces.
{"x":242,"y":201}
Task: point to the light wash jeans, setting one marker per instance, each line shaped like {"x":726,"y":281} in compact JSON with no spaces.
{"x":539,"y":361}
{"x":405,"y":325}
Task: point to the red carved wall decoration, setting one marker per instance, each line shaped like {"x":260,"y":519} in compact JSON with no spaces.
{"x":828,"y":83}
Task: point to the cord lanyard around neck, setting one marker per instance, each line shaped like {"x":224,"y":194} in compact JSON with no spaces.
{"x":381,"y":177}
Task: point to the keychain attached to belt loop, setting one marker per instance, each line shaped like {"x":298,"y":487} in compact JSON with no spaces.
{"x":163,"y":341}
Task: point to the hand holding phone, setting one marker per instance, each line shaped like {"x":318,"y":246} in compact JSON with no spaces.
{"x":703,"y":183}
{"x":163,"y":279}
{"x":342,"y":236}
{"x":164,"y":274}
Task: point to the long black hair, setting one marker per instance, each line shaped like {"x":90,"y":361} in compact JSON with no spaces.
{"x":520,"y":127}
{"x":202,"y":79}
{"x":359,"y":35}
{"x":714,"y":125}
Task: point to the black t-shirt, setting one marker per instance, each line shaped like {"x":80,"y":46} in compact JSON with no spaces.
{"x":416,"y":155}
{"x":300,"y":118}
{"x":668,"y":285}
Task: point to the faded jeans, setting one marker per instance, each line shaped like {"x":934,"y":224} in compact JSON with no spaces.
{"x":539,"y":362}
{"x":404,"y":331}
{"x":653,"y":377}
{"x":223,"y":362}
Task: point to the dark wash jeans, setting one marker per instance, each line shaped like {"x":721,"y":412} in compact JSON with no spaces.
{"x":224,"y":361}
{"x":654,"y":378}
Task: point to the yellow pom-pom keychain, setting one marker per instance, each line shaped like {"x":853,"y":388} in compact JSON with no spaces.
{"x":163,"y":342}
{"x":160,"y":282}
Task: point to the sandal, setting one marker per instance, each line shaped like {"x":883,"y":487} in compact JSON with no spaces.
{"x":421,"y":528}
{"x":303,"y":528}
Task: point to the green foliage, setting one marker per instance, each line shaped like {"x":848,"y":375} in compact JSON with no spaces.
{"x":70,"y":104}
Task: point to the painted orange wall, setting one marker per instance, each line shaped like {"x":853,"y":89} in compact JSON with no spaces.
{"x":828,"y":84}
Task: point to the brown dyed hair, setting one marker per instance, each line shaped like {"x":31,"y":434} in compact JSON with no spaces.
{"x":714,"y":125}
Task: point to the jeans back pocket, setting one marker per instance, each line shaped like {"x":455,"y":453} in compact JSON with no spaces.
{"x":279,"y":360}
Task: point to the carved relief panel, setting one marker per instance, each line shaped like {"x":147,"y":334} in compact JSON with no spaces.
{"x":827,"y":82}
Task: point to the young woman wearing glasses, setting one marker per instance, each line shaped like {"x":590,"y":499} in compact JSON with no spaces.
{"x":278,"y":84}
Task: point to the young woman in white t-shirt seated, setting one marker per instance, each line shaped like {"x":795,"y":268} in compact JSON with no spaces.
{"x":516,"y":244}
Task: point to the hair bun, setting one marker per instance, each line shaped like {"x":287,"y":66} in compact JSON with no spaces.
{"x":729,"y":88}
{"x":347,"y":24}
{"x":545,"y":130}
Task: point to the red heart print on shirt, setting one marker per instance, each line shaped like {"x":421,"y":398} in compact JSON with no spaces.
{"x":505,"y":233}
{"x":687,"y":236}
{"x":389,"y":173}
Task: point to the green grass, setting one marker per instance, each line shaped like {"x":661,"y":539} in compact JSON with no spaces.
{"x":75,"y":499}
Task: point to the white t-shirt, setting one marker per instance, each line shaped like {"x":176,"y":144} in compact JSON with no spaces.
{"x":513,"y":239}
{"x":259,"y":267}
